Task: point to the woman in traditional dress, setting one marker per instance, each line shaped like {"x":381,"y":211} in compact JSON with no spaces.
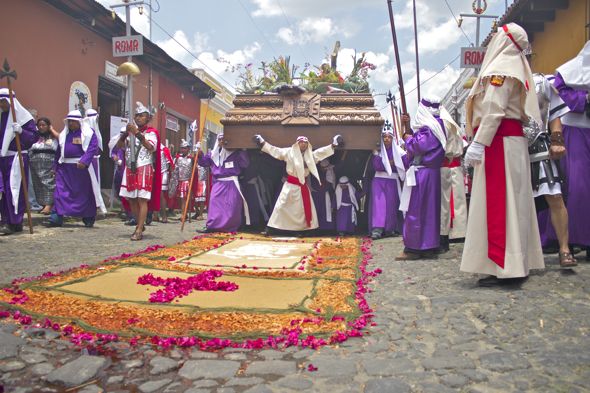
{"x":41,"y":159}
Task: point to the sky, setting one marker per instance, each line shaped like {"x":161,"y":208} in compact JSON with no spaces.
{"x":224,"y":35}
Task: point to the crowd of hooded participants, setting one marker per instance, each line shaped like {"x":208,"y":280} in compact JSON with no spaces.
{"x":497,"y":183}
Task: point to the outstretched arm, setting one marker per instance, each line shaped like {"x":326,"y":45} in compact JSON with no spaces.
{"x":275,"y":152}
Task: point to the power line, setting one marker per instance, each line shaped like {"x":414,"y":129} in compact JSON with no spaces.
{"x":258,"y":28}
{"x":426,"y":80}
{"x":191,"y":53}
{"x":293,"y":29}
{"x":454,"y":17}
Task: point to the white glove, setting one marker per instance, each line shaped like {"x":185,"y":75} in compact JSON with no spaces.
{"x":375,"y":152}
{"x":119,"y":162}
{"x":474,"y":154}
{"x":335,"y":139}
{"x":259,"y":139}
{"x":197,"y":146}
{"x":17,"y":128}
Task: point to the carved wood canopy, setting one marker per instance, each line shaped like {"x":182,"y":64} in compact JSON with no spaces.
{"x":281,"y":118}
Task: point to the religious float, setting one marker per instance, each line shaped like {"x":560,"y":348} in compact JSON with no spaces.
{"x":319,"y":104}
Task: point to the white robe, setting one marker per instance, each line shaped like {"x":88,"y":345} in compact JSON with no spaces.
{"x":451,"y":179}
{"x":288,"y":213}
{"x":523,"y":245}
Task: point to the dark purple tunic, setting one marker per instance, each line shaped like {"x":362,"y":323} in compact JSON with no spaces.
{"x":226,"y":207}
{"x":27,"y":138}
{"x":384,"y":206}
{"x":73,"y":188}
{"x":575,"y":165}
{"x":422,"y":222}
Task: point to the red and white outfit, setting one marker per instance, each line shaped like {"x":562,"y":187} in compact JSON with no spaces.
{"x":146,"y":180}
{"x":502,"y":237}
{"x":183,"y":166}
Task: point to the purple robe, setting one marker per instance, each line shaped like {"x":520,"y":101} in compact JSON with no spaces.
{"x":226,"y":207}
{"x":422,"y":223}
{"x":318,"y":194}
{"x":73,"y":188}
{"x":253,"y":192}
{"x":27,"y":138}
{"x":575,"y":166}
{"x":119,"y":169}
{"x":384,"y":206}
{"x":344,"y":221}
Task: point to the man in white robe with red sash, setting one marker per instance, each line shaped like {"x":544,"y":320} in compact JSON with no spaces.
{"x":502,"y":238}
{"x":453,"y":209}
{"x":294,"y":209}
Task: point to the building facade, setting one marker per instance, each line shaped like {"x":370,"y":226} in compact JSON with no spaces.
{"x":52,"y":43}
{"x":214,"y":109}
{"x":557,"y":30}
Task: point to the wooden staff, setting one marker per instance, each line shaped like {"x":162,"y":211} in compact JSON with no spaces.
{"x":190,"y":184}
{"x":397,"y":120}
{"x":8,"y":74}
{"x":417,"y":56}
{"x":397,"y":63}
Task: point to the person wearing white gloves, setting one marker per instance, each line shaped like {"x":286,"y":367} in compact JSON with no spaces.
{"x":12,"y":205}
{"x":502,"y":237}
{"x":294,"y":209}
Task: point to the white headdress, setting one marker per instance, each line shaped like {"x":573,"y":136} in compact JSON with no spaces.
{"x":307,"y":158}
{"x":184,"y":143}
{"x":425,"y":116}
{"x":87,"y":132}
{"x":504,"y":57}
{"x":22,"y":116}
{"x":351,"y":193}
{"x":219,"y":153}
{"x":92,"y":118}
{"x":576,"y":72}
{"x":397,"y":154}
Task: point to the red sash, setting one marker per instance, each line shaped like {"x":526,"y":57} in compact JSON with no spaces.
{"x":454,"y":163}
{"x":495,"y":170}
{"x":305,"y":194}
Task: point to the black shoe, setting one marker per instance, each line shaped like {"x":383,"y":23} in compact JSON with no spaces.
{"x":131,"y":222}
{"x":206,"y":230}
{"x":588,"y":253}
{"x":376,"y":234}
{"x":493,"y":281}
{"x":51,"y":224}
{"x":17,"y":227}
{"x":6,"y":230}
{"x":88,"y":221}
{"x":444,"y":244}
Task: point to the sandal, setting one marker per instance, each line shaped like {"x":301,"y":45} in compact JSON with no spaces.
{"x":566,"y":259}
{"x":137,"y":236}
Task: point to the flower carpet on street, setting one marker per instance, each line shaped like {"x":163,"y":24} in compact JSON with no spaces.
{"x":212,"y":292}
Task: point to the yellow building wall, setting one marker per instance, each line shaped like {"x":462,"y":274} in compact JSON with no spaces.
{"x":212,"y":116}
{"x":562,"y":39}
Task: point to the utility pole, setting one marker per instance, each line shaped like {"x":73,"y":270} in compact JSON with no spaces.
{"x":129,"y":96}
{"x":129,"y":72}
{"x":478,"y":9}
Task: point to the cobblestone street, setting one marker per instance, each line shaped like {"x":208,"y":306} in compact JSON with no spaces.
{"x":436,"y":331}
